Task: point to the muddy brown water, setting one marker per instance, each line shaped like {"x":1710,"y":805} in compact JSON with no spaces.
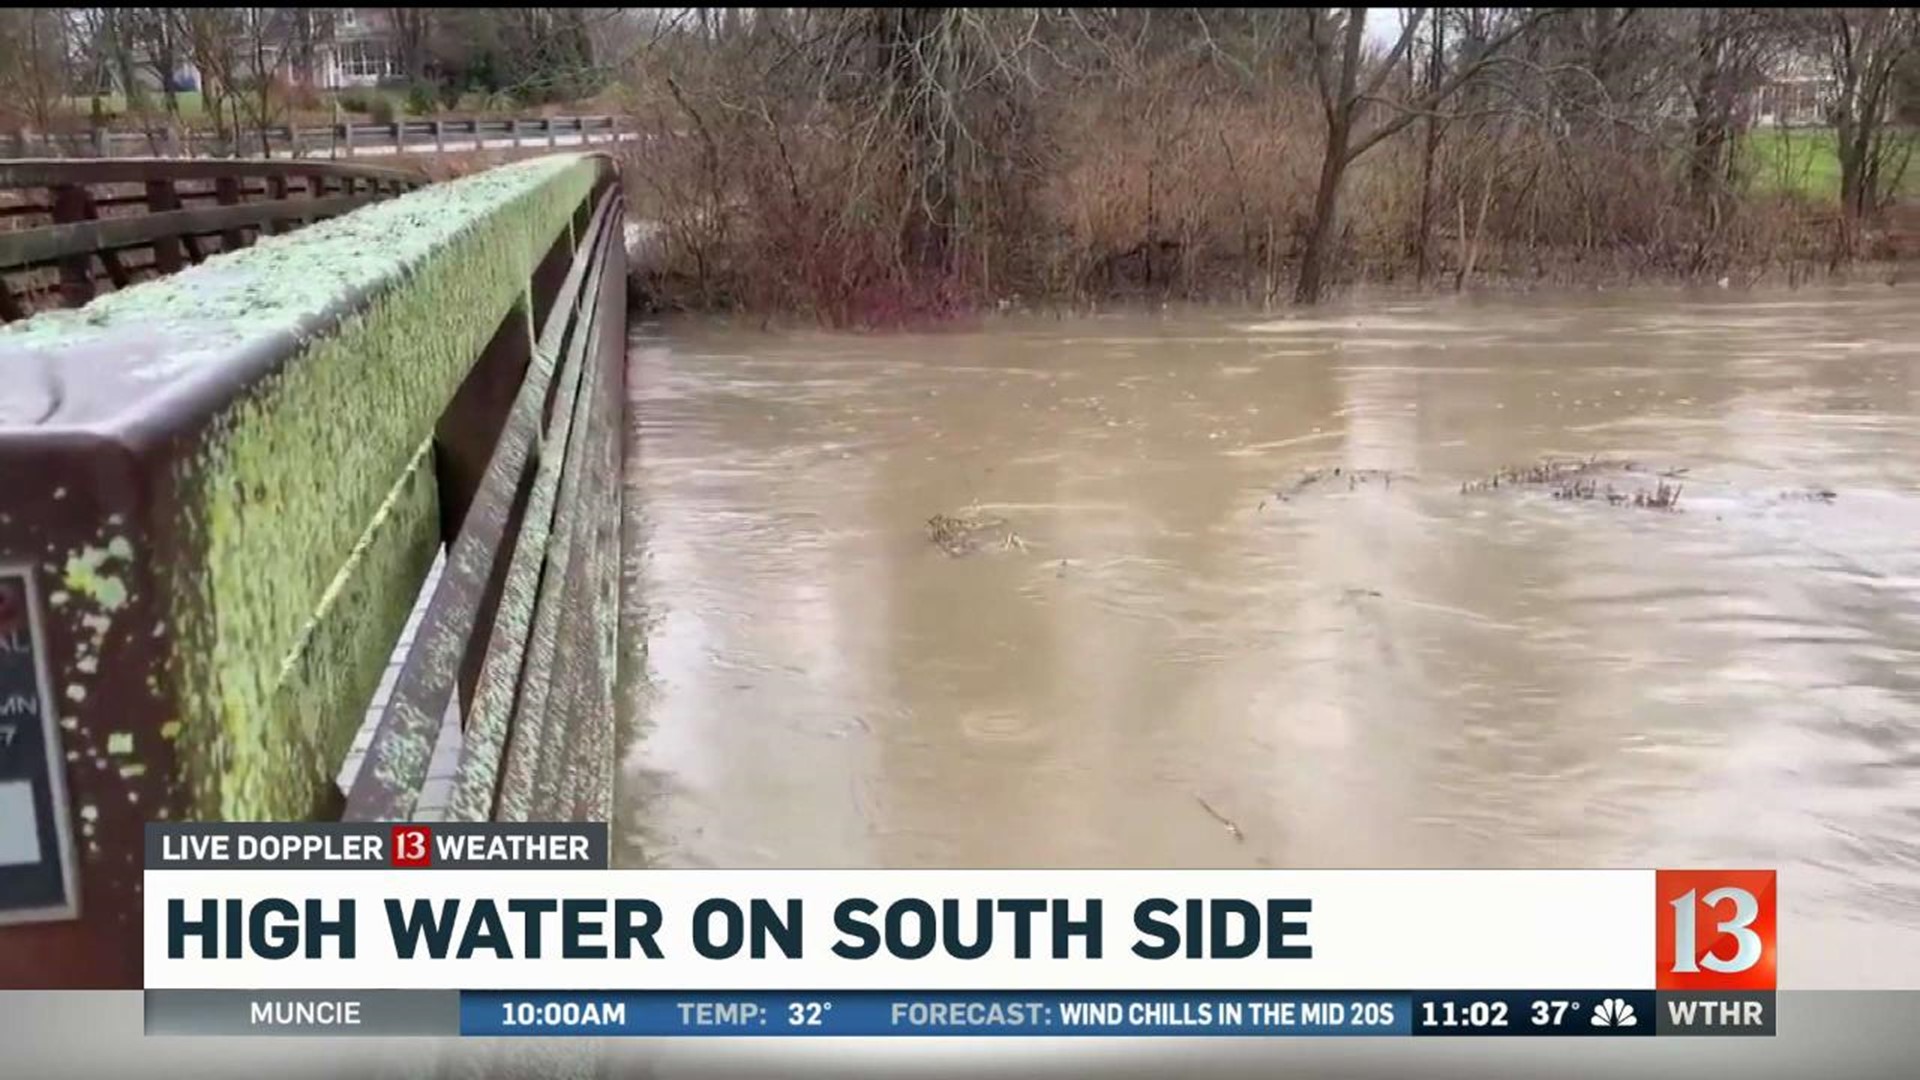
{"x":1171,"y":665}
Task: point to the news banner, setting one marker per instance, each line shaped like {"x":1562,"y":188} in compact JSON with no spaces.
{"x":522,"y":930}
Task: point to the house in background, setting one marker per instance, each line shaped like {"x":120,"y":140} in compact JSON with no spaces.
{"x":1800,"y":91}
{"x":357,"y":50}
{"x":318,"y":48}
{"x":1795,"y":94}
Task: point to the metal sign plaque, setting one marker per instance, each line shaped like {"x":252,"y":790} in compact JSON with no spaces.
{"x":36,"y":839}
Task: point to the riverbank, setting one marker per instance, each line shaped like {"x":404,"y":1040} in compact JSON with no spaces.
{"x":657,"y":290}
{"x":742,"y":258}
{"x":884,"y":168}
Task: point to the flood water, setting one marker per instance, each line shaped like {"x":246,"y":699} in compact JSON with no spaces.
{"x":1158,"y":660}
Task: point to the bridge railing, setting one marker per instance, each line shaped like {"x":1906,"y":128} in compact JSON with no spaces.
{"x":221,"y":492}
{"x":518,"y":636}
{"x":324,"y":140}
{"x":72,"y":224}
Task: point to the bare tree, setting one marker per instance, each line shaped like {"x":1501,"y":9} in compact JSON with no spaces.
{"x":1864,"y":50}
{"x":33,"y":61}
{"x":1430,"y":144}
{"x":1726,"y":60}
{"x":548,"y":53}
{"x":818,"y":159}
{"x":310,"y":28}
{"x":1354,"y":90}
{"x":210,"y":38}
{"x":254,"y":81}
{"x":413,"y":39}
{"x":107,"y":47}
{"x":153,"y":41}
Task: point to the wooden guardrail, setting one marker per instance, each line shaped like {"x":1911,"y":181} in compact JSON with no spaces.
{"x":325,"y":140}
{"x":72,"y":224}
{"x":519,"y":632}
{"x":223,"y":490}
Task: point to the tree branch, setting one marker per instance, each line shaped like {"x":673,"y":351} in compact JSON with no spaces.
{"x":1393,"y":58}
{"x":1410,"y":111}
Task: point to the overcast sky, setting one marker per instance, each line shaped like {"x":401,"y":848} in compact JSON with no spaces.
{"x":1383,"y":25}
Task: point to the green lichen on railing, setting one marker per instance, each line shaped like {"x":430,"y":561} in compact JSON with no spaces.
{"x":290,"y":477}
{"x":316,"y":699}
{"x":306,"y":497}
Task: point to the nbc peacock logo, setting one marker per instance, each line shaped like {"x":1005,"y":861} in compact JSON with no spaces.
{"x":1614,"y":1012}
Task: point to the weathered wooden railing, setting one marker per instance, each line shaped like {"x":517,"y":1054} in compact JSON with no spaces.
{"x":410,"y":136}
{"x":220,"y":493}
{"x":71,"y":225}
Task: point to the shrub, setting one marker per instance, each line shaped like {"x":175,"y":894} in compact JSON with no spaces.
{"x":299,"y":95}
{"x":849,"y":194}
{"x":375,"y":105}
{"x":422,"y":98}
{"x":357,"y":101}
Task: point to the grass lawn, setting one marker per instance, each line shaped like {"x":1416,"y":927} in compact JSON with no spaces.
{"x":1804,"y":161}
{"x":193,"y":107}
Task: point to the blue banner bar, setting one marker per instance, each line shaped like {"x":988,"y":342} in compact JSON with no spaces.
{"x":934,"y":1012}
{"x":1054,"y":1013}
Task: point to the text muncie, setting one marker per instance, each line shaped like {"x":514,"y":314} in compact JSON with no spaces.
{"x":719,"y":928}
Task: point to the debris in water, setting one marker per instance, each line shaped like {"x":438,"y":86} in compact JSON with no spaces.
{"x":1664,"y":497}
{"x":1223,"y":819}
{"x":1541,"y":473}
{"x":1354,"y":478}
{"x":1574,"y":480}
{"x":964,"y":533}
